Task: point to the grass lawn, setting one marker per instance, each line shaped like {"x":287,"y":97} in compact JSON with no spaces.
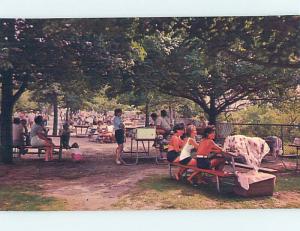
{"x":26,"y":198}
{"x":161,"y":192}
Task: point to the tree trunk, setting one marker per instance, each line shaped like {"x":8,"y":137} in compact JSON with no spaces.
{"x":147,"y":114}
{"x":7,"y":103}
{"x":170,"y":114}
{"x":213,"y":113}
{"x":55,"y":112}
{"x":67,"y":114}
{"x":212,"y":118}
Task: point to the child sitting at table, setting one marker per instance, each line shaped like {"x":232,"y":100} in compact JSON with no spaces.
{"x":206,"y":147}
{"x":189,"y":143}
{"x":175,"y":143}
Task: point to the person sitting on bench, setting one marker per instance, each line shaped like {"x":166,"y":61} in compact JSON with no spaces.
{"x":205,"y":148}
{"x":175,"y":144}
{"x":38,"y":138}
{"x":189,"y":143}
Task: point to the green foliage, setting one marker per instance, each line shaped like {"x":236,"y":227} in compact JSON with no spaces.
{"x":267,"y":114}
{"x":25,"y":102}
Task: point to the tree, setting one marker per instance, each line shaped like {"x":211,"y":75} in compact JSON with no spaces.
{"x":19,"y":50}
{"x":182,"y":62}
{"x":35,"y":50}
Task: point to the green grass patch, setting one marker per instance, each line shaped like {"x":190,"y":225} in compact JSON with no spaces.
{"x":26,"y":198}
{"x":288,"y":183}
{"x":161,"y":192}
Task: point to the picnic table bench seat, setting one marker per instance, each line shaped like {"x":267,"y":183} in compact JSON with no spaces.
{"x":55,"y":147}
{"x":217,"y":173}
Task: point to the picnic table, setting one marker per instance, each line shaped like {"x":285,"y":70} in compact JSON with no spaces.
{"x":39,"y":149}
{"x":82,"y":133}
{"x":297,"y":146}
{"x":135,"y":154}
{"x":218,"y":174}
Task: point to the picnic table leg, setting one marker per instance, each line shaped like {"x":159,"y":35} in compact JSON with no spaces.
{"x":137,"y":152}
{"x":144,"y":147}
{"x":297,"y":163}
{"x":233,"y":164}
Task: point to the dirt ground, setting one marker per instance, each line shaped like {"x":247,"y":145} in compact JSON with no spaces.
{"x":94,"y":184}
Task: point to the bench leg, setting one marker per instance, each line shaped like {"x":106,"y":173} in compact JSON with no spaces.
{"x":218,"y":184}
{"x":39,"y":152}
{"x":170,"y":170}
{"x":60,"y":154}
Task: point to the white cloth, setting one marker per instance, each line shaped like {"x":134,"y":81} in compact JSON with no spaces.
{"x":253,"y":149}
{"x":186,"y":150}
{"x":248,"y":178}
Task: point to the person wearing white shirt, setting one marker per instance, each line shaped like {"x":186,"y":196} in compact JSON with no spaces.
{"x":119,"y":134}
{"x":163,"y":123}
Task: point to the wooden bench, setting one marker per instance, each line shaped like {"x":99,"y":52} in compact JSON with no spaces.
{"x":260,"y":169}
{"x":217,"y":173}
{"x":39,"y":150}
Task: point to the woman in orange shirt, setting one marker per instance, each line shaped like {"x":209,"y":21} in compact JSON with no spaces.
{"x":207,"y":146}
{"x":175,"y":143}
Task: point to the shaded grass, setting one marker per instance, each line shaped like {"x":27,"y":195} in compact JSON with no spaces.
{"x":288,"y":183}
{"x":161,"y":192}
{"x":26,"y":198}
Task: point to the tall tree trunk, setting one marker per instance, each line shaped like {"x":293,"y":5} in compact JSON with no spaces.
{"x":213,"y":113}
{"x":212,"y":118}
{"x":55,"y":111}
{"x":7,"y":103}
{"x":67,"y":114}
{"x":147,"y":114}
{"x":170,"y":114}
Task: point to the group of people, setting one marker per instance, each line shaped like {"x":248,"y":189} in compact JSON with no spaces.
{"x":162,"y":123}
{"x":29,"y":116}
{"x":102,"y":131}
{"x":37,"y":136}
{"x":183,"y":142}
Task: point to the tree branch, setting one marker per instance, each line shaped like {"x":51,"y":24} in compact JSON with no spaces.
{"x":21,"y":90}
{"x":262,"y":63}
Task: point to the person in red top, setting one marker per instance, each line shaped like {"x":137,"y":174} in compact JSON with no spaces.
{"x":175,"y":143}
{"x":206,"y":147}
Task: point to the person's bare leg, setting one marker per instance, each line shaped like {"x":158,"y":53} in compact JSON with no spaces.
{"x":118,"y":152}
{"x":179,"y":173}
{"x":51,"y":152}
{"x":190,"y":178}
{"x":46,"y":153}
